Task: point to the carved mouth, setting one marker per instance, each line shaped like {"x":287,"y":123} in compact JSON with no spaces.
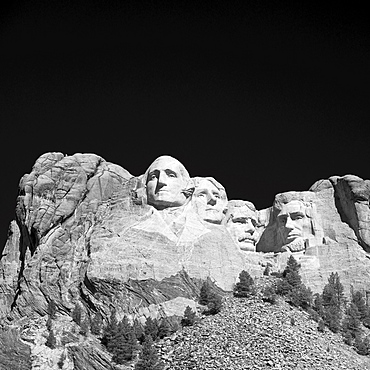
{"x":246,"y":240}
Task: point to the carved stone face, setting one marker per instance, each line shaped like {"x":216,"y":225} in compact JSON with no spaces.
{"x":209,"y":200}
{"x":242,"y":227}
{"x":292,"y":221}
{"x":166,"y":180}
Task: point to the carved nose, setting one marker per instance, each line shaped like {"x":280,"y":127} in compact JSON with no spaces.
{"x":212,"y":200}
{"x":249,"y":229}
{"x":289,"y":223}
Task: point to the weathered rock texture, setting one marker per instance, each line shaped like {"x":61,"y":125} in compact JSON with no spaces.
{"x":85,"y":236}
{"x":336,"y":240}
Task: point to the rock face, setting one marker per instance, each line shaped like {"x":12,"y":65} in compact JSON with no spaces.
{"x":89,"y":234}
{"x":321,"y":227}
{"x":84,"y":234}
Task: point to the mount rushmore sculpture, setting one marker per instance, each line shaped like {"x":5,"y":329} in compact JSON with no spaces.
{"x":89,"y":233}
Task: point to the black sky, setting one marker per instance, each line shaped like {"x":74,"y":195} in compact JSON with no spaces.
{"x":265,"y":98}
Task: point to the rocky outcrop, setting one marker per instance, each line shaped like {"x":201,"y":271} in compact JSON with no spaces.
{"x":89,"y":234}
{"x":252,"y":334}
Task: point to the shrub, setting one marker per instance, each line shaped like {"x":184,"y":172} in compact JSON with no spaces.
{"x":84,"y":327}
{"x":51,"y":340}
{"x":77,"y":314}
{"x":164,"y":329}
{"x":52,"y":309}
{"x":205,"y":293}
{"x":210,"y":299}
{"x":321,"y":326}
{"x":214,"y":304}
{"x":189,"y":317}
{"x":96,"y":324}
{"x":148,"y":358}
{"x":245,"y":287}
{"x":267,"y":270}
{"x":151,"y":328}
{"x":300,"y":296}
{"x":110,"y":330}
{"x":269,"y":294}
{"x":139,"y":331}
{"x":362,"y":345}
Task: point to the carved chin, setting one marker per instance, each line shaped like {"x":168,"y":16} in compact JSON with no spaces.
{"x":296,"y":245}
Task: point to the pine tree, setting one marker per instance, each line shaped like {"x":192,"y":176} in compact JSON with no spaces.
{"x":77,"y":314}
{"x":358,"y":299}
{"x":333,"y":293}
{"x":52,"y":309}
{"x":205,"y":292}
{"x":214,"y":304}
{"x":332,"y":318}
{"x":245,"y":286}
{"x":96,"y":324}
{"x":189,"y":317}
{"x":148,"y":358}
{"x":51,"y":340}
{"x":123,"y":343}
{"x":362,"y":345}
{"x":151,"y":328}
{"x":292,"y":266}
{"x":139,"y":331}
{"x":318,"y":305}
{"x":110,"y":330}
{"x":84,"y":327}
{"x":164,"y":329}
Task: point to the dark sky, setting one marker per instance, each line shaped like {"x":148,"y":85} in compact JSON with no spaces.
{"x":265,"y":98}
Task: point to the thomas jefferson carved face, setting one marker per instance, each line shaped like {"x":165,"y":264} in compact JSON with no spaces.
{"x":293,"y":224}
{"x":166,"y":181}
{"x":209,"y":199}
{"x":242,"y":225}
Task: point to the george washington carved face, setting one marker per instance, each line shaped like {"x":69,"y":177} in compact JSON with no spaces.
{"x":166,"y":181}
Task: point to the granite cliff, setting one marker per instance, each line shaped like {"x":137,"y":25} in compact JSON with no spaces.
{"x":89,"y":234}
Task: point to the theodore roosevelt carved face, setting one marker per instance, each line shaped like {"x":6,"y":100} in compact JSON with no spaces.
{"x":242,"y":224}
{"x":166,"y":182}
{"x":209,"y":199}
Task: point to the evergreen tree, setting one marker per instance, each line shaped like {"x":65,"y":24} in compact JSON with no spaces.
{"x":189,"y":317}
{"x":332,"y":318}
{"x":110,"y":330}
{"x":164,"y":329}
{"x":300,"y":296}
{"x":358,"y":299}
{"x":269,"y":294}
{"x":52,"y":309}
{"x":318,"y":305}
{"x":123,"y":343}
{"x":245,"y":286}
{"x":148,"y":358}
{"x":77,"y":314}
{"x":51,"y":340}
{"x":96,"y":324}
{"x":292,"y":266}
{"x":205,"y":292}
{"x":267,"y":270}
{"x":139,"y":331}
{"x":214,"y":304}
{"x":362,"y":345}
{"x":333,"y":293}
{"x":84,"y":327}
{"x":151,"y":328}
